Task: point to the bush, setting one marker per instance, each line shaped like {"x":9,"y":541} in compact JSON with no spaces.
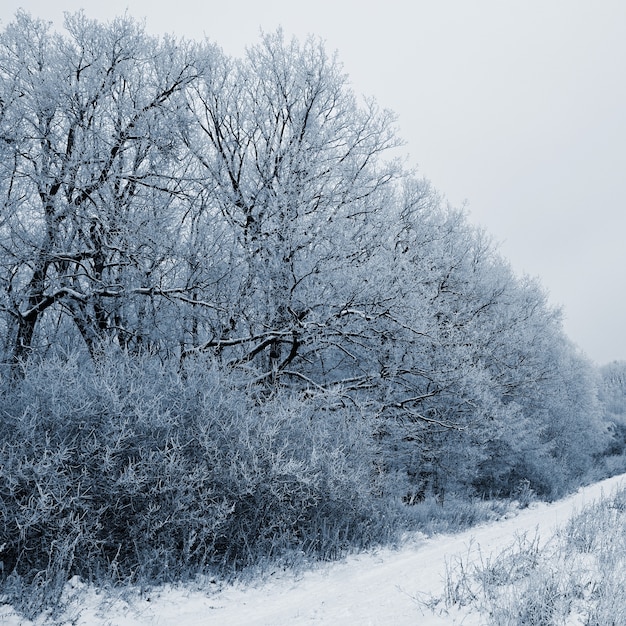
{"x":135,"y":473}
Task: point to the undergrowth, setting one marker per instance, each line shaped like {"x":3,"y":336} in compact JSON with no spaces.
{"x":132,"y":475}
{"x":137,"y":475}
{"x":577,"y":577}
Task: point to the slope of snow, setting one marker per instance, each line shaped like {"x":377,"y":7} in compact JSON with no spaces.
{"x":378,"y":587}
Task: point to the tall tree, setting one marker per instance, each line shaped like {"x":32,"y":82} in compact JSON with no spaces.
{"x":293,"y":167}
{"x":92,"y":176}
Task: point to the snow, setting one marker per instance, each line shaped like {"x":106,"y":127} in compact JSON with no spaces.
{"x":377,"y":587}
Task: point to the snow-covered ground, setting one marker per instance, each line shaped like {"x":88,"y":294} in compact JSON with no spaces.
{"x":378,"y":587}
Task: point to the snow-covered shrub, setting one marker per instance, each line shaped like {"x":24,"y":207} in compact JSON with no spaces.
{"x":137,"y":472}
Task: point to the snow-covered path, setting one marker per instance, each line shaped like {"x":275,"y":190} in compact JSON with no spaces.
{"x":377,"y":588}
{"x":380,"y":588}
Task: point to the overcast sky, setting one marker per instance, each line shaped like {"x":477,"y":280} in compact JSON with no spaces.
{"x":517,"y":107}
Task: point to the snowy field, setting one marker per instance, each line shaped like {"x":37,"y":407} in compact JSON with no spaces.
{"x":378,"y":587}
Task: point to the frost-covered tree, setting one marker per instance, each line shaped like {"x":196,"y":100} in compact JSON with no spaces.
{"x":161,"y":197}
{"x":612,"y":394}
{"x":613,"y":387}
{"x":293,"y":171}
{"x":487,"y":388}
{"x":92,"y":180}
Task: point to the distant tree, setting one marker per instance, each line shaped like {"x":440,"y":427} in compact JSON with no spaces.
{"x":485,"y":379}
{"x":613,"y":387}
{"x":612,"y":394}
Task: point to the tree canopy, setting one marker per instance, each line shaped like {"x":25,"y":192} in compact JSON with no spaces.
{"x":161,"y":199}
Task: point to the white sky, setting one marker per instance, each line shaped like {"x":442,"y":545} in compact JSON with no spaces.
{"x":517,"y":106}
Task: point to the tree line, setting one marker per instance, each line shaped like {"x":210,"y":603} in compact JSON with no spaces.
{"x":161,"y":197}
{"x":164,"y":202}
